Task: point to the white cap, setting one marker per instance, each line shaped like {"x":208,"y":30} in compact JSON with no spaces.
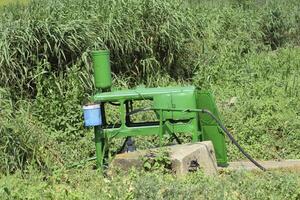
{"x":91,"y":106}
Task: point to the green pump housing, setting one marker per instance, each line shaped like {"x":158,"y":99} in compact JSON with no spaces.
{"x":167,"y":104}
{"x":102,"y":73}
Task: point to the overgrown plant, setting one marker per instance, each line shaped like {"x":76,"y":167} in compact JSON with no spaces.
{"x":23,"y":139}
{"x":157,"y":160}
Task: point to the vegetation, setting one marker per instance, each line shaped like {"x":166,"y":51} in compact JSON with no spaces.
{"x":157,"y":160}
{"x":246,"y":52}
{"x":8,"y":2}
{"x":88,"y":184}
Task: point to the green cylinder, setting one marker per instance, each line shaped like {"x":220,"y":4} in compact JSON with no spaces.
{"x":102,"y":72}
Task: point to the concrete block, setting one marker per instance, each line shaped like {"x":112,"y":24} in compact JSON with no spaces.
{"x":293,"y":165}
{"x":185,"y":158}
{"x":190,"y":157}
{"x":125,"y":161}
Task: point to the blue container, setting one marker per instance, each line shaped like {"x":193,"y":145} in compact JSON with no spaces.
{"x":92,"y":115}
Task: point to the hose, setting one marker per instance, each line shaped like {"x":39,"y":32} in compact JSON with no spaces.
{"x":232,"y":138}
{"x":114,"y":104}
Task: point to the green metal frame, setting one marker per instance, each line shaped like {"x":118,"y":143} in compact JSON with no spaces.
{"x":168,"y":104}
{"x":170,"y":120}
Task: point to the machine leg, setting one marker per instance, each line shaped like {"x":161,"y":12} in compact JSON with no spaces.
{"x":195,"y":136}
{"x":100,"y":148}
{"x":161,"y":127}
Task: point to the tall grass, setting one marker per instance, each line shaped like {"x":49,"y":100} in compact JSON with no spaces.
{"x":143,"y":36}
{"x":10,"y":2}
{"x":23,"y":139}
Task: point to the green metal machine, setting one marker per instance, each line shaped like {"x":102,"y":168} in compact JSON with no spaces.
{"x":168,"y":105}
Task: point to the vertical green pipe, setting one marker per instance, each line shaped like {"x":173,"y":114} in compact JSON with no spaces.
{"x":122,"y":110}
{"x":102,"y":71}
{"x":102,"y":77}
{"x":195,"y":136}
{"x":161,"y":127}
{"x":99,"y":143}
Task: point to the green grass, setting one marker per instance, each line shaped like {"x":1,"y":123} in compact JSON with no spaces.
{"x":8,"y":2}
{"x":90,"y":184}
{"x":243,"y":50}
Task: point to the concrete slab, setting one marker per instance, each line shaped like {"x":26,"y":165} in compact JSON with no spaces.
{"x":185,"y":158}
{"x":269,"y":165}
{"x":191,"y":157}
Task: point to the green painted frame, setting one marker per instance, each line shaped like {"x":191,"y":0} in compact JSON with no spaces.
{"x":168,"y":104}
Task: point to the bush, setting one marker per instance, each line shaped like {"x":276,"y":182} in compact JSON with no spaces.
{"x":23,"y":139}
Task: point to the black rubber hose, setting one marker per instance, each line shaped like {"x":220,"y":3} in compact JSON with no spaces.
{"x":114,"y":104}
{"x":232,"y":139}
{"x":176,"y":138}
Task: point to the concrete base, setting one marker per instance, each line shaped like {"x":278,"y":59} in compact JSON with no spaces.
{"x":184,"y":158}
{"x":190,"y":157}
{"x":269,"y":165}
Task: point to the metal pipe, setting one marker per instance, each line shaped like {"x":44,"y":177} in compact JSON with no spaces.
{"x":102,"y":71}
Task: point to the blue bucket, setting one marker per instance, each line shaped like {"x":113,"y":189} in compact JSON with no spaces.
{"x":92,"y":115}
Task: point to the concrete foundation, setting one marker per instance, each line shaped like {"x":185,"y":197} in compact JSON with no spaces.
{"x":269,"y":165}
{"x":185,"y":158}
